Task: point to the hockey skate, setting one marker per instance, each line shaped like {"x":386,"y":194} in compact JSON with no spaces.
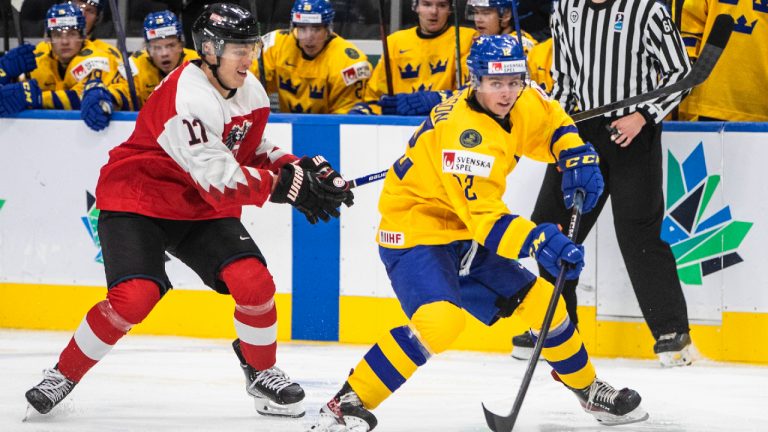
{"x":273,"y":391}
{"x":522,"y":346}
{"x":675,"y":349}
{"x":608,"y":405}
{"x":345,"y":413}
{"x":52,"y":389}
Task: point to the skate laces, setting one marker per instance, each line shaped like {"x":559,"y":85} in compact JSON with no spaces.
{"x":273,"y":378}
{"x":54,"y":385}
{"x":601,"y":392}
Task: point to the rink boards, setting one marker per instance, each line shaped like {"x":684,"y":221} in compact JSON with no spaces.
{"x":331,"y":284}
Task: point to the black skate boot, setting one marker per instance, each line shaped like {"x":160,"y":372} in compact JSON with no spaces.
{"x":522,"y":346}
{"x":675,"y":349}
{"x":52,"y":389}
{"x":273,"y":391}
{"x":345,"y":412}
{"x":608,"y":405}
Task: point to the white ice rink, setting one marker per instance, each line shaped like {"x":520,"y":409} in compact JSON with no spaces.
{"x":180,"y":384}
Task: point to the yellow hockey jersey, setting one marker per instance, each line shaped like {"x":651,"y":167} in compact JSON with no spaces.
{"x":146,"y":75}
{"x":62,"y":90}
{"x":540,"y":64}
{"x":734,"y":90}
{"x":419,"y":62}
{"x":449,"y":184}
{"x":331,"y":83}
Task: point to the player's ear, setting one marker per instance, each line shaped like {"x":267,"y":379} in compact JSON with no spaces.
{"x":505,"y":18}
{"x":208,"y":48}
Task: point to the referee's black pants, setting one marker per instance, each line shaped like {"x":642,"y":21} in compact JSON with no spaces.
{"x":633,"y":180}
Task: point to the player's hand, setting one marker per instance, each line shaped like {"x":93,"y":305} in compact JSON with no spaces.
{"x":581,"y":172}
{"x":17,"y":97}
{"x":361,"y":108}
{"x":409,"y":104}
{"x":625,"y":129}
{"x":301,"y":188}
{"x":17,"y":61}
{"x":329,"y":178}
{"x":552,"y":249}
{"x":96,"y":105}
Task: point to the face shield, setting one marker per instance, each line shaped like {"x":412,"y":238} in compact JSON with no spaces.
{"x":236,"y":49}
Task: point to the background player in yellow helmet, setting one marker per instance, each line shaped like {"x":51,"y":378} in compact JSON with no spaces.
{"x":491,"y":17}
{"x":450,"y":244}
{"x":312,"y":69}
{"x":163,"y":53}
{"x":71,"y":73}
{"x":422,"y":58}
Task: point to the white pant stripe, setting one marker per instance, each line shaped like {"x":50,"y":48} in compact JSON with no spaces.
{"x":255,"y":335}
{"x":89,"y":343}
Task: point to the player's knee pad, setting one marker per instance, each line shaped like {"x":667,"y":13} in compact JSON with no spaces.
{"x":534,"y":306}
{"x":132,"y":300}
{"x":438,"y":324}
{"x":250,"y":284}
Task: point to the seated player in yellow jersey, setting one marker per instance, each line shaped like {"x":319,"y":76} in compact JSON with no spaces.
{"x":70,"y":74}
{"x":312,"y":69}
{"x":422,"y":58}
{"x":164,"y":52}
{"x":448,"y":241}
{"x":491,"y":17}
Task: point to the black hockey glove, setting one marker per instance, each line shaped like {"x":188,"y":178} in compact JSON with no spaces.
{"x":302,"y":189}
{"x":329,"y":178}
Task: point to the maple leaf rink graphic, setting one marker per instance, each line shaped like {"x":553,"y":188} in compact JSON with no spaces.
{"x":703,"y":238}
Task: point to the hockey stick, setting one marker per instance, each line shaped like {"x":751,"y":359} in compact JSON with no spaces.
{"x":716,"y":42}
{"x":506,"y":423}
{"x":370,"y":178}
{"x":124,"y":52}
{"x":260,"y":61}
{"x":458,"y":44}
{"x":15,"y":6}
{"x":385,"y":49}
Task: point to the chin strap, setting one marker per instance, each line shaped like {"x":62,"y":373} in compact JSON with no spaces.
{"x":215,"y":71}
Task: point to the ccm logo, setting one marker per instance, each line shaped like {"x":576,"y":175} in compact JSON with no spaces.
{"x":582,"y":160}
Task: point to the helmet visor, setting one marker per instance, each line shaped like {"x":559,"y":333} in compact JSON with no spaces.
{"x":246,"y":50}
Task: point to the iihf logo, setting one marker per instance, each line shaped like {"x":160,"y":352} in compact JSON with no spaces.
{"x":618,"y":22}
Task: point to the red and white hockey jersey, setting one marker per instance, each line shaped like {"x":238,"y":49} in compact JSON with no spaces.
{"x":193,"y":154}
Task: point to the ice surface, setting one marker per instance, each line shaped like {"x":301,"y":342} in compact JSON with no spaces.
{"x":183,"y":384}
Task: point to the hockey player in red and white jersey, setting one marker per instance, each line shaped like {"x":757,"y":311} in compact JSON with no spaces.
{"x":177,"y":185}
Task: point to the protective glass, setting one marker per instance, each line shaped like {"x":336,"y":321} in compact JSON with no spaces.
{"x":245,"y":51}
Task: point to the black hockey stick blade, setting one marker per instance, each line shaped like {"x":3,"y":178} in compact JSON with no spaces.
{"x":710,"y":54}
{"x":506,"y":423}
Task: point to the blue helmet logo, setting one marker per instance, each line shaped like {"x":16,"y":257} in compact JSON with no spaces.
{"x":312,"y":12}
{"x":500,"y":5}
{"x":163,"y":24}
{"x":495,"y":55}
{"x":64,"y":16}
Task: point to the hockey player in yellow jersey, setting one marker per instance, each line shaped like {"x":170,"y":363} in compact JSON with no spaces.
{"x":422,"y":58}
{"x":731,"y":91}
{"x":448,"y":241}
{"x":164,"y":52}
{"x":71,"y":68}
{"x":540,"y":65}
{"x":312,"y":69}
{"x":491,"y":17}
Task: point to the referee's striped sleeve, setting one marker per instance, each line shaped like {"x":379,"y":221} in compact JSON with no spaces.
{"x":562,"y":90}
{"x":668,"y":48}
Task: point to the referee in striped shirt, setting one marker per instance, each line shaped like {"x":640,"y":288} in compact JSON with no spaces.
{"x":607,"y":51}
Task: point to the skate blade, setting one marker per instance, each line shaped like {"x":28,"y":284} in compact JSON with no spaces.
{"x":268,"y":408}
{"x":684,"y":357}
{"x":634,"y":416}
{"x":523,"y":353}
{"x":64,"y":409}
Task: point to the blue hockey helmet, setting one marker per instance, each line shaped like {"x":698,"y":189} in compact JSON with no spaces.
{"x":163,"y":24}
{"x":500,"y":5}
{"x":64,"y":16}
{"x":312,"y":12}
{"x":99,"y":4}
{"x":495,"y":55}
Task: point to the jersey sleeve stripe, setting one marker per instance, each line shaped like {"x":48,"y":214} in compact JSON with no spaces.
{"x":497,"y":232}
{"x":74,"y":99}
{"x":57,"y":104}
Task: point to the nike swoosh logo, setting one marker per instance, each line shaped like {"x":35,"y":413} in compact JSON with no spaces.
{"x":404,"y":51}
{"x":244,"y":238}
